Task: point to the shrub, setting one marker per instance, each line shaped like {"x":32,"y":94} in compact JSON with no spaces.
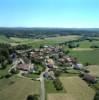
{"x":7,"y":75}
{"x":97,"y":96}
{"x":58,"y":84}
{"x":32,"y":97}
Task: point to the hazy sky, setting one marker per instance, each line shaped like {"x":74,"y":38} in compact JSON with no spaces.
{"x":49,"y":13}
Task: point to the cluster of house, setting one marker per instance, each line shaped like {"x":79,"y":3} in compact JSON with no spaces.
{"x":52,"y":57}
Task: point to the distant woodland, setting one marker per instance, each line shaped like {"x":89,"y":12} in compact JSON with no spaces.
{"x":47,"y":32}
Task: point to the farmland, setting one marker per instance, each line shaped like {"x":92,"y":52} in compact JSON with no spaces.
{"x":94,"y":70}
{"x":73,"y":87}
{"x":86,"y":54}
{"x":37,"y":42}
{"x":90,"y":56}
{"x":46,"y":41}
{"x":17,"y":89}
{"x":60,"y":96}
{"x":76,"y":89}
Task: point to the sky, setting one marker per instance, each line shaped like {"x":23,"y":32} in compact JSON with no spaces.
{"x":49,"y":13}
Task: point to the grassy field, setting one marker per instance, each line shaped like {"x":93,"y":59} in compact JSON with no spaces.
{"x":60,"y":96}
{"x":94,"y":70}
{"x":46,"y":41}
{"x":17,"y":89}
{"x":50,"y":87}
{"x":77,"y":88}
{"x":87,"y":44}
{"x":91,"y":56}
{"x":4,"y":71}
{"x":4,"y":39}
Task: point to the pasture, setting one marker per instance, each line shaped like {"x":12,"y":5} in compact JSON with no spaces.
{"x":60,"y":96}
{"x":77,"y":88}
{"x":46,"y":41}
{"x":16,"y":88}
{"x":87,"y":44}
{"x":4,"y":39}
{"x":94,"y":70}
{"x":86,"y":56}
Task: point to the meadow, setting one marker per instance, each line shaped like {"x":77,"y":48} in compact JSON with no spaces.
{"x":16,"y":88}
{"x":46,"y":41}
{"x":77,"y":88}
{"x":91,"y":56}
{"x":84,"y":53}
{"x":94,"y":70}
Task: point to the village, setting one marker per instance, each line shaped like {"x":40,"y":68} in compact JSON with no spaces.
{"x":52,"y":62}
{"x":49,"y":66}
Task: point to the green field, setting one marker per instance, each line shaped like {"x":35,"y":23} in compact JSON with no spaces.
{"x":46,"y":41}
{"x":92,"y":57}
{"x":4,"y":39}
{"x":50,"y":87}
{"x":37,"y":42}
{"x":16,"y":88}
{"x":4,"y":71}
{"x":87,"y":44}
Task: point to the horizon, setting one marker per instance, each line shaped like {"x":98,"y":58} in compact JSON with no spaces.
{"x":49,"y":13}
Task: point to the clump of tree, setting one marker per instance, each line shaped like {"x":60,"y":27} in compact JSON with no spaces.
{"x":87,"y":64}
{"x":57,"y":73}
{"x":96,"y":95}
{"x":94,"y":46}
{"x":22,"y":47}
{"x":14,"y":71}
{"x":32,"y":97}
{"x":58,"y":85}
{"x":73,"y":45}
{"x":5,"y":51}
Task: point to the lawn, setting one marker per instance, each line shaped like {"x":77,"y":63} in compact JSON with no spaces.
{"x":77,"y":88}
{"x":16,"y":88}
{"x":91,"y":56}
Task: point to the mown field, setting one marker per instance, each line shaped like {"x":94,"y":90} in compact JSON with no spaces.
{"x":77,"y":88}
{"x":61,"y":96}
{"x":16,"y":88}
{"x":86,"y":56}
{"x":94,"y":70}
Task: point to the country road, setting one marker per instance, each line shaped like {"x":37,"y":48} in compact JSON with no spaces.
{"x":42,"y":91}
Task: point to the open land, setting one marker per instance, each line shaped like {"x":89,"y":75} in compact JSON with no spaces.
{"x":17,"y":88}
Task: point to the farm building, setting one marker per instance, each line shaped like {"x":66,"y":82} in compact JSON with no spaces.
{"x":26,"y":67}
{"x":77,"y":66}
{"x":89,"y":78}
